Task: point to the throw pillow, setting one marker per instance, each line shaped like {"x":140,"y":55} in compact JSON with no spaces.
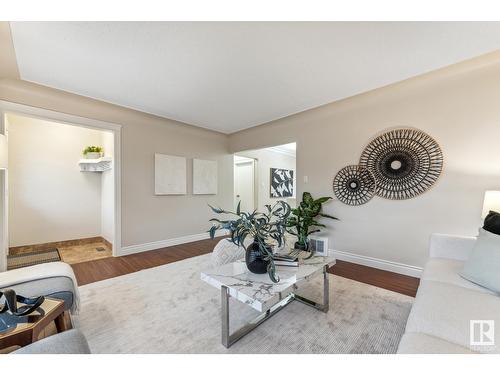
{"x":492,"y":222}
{"x":483,"y":265}
{"x":227,"y":252}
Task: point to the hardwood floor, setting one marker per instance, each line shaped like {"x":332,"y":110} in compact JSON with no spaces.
{"x":101,"y":269}
{"x":383,"y":279}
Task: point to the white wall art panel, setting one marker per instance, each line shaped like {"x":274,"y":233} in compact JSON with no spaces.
{"x":170,"y":175}
{"x":204,"y":176}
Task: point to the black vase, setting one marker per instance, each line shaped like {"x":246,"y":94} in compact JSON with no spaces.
{"x":300,"y":246}
{"x":254,"y":259}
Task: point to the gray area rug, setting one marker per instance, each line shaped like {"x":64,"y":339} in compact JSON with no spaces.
{"x":168,"y":309}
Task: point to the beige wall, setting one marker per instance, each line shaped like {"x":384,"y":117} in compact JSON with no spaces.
{"x":49,"y":198}
{"x":145,"y":217}
{"x":267,"y":159}
{"x":458,"y":106}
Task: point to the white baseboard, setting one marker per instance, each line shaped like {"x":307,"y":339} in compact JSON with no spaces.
{"x":385,"y":265}
{"x":132,"y":249}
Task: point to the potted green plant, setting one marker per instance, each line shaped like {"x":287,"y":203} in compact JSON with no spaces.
{"x":92,"y":152}
{"x":302,"y":221}
{"x":262,"y":227}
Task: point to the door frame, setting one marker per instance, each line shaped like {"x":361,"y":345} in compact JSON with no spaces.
{"x":67,"y":119}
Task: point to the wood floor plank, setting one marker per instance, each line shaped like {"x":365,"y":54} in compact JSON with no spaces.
{"x":384,"y":279}
{"x":102,"y":269}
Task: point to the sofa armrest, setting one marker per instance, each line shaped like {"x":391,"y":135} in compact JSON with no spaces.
{"x":450,"y":246}
{"x":56,"y":280}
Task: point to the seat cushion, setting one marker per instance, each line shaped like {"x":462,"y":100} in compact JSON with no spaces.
{"x":447,"y":271}
{"x":68,"y":342}
{"x":419,"y":343}
{"x":445,"y":310}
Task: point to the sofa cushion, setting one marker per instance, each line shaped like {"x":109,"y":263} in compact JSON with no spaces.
{"x":419,"y":343}
{"x":451,"y":247}
{"x":483,"y":265}
{"x":448,"y":271}
{"x":444,"y":310}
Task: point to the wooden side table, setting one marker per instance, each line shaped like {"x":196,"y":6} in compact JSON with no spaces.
{"x":26,"y":330}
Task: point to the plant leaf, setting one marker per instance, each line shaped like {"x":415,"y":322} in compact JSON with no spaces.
{"x":271,"y":270}
{"x":212,"y":231}
{"x":322,"y":200}
{"x":328,"y":216}
{"x":217,"y":210}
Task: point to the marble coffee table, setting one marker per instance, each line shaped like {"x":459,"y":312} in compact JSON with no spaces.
{"x":259,"y":292}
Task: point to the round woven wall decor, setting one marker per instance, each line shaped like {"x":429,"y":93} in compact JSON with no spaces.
{"x":404,"y":162}
{"x":354,"y":185}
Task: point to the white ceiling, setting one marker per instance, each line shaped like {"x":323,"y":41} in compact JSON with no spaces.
{"x":231,"y":76}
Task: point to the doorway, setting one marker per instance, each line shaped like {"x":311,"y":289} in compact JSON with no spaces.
{"x":244,"y":183}
{"x":55,"y":198}
{"x":264,"y":176}
{"x":60,"y":195}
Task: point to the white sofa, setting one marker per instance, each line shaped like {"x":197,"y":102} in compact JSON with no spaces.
{"x":439,"y":320}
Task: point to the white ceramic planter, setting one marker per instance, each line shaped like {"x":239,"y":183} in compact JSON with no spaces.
{"x":92,"y":155}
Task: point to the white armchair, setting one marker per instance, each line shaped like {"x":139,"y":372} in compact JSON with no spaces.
{"x":55,"y":280}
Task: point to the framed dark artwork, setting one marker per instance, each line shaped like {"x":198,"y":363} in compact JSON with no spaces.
{"x":281,"y":183}
{"x":405,"y":163}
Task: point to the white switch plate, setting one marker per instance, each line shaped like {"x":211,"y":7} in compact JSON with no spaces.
{"x":306,"y":179}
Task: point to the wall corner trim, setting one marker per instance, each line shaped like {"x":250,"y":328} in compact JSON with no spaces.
{"x":132,"y":249}
{"x":381,"y":264}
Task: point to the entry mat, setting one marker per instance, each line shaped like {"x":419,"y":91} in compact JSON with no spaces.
{"x":32,"y":258}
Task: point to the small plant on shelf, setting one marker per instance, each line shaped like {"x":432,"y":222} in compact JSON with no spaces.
{"x":93,"y":152}
{"x":262,"y":227}
{"x":302,"y":221}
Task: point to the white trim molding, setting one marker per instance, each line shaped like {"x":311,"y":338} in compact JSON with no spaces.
{"x":132,"y":249}
{"x":382,"y":264}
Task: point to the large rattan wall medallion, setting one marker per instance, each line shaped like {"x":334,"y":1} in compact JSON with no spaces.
{"x":404,"y":163}
{"x":354,"y":185}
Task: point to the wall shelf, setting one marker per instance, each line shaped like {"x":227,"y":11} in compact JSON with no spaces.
{"x":95,"y":165}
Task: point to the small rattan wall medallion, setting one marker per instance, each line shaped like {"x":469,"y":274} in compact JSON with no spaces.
{"x":403,"y":162}
{"x":354,"y":185}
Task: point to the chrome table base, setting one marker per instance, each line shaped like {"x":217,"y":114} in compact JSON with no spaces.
{"x":229,"y":339}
